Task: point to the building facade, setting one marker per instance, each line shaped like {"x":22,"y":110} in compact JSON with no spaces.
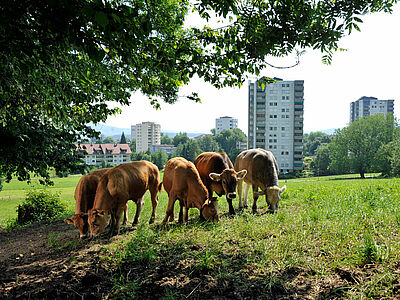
{"x":368,"y":106}
{"x":167,"y":149}
{"x":115,"y":154}
{"x":225,"y":123}
{"x":147,"y":134}
{"x":275,"y":121}
{"x":133,"y":132}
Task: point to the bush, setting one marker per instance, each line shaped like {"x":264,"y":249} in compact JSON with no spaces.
{"x":39,"y":206}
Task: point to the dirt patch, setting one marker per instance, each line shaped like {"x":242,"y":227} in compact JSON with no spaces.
{"x":49,"y":261}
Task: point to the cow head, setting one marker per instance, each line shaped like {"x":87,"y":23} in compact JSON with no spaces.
{"x":209,"y":210}
{"x":228,"y":179}
{"x":81,"y":223}
{"x":97,"y":221}
{"x":273,"y":194}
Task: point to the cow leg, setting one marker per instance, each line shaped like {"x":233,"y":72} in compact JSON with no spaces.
{"x":186,"y":215}
{"x":170,"y":209}
{"x":118,"y":214}
{"x":255,"y":198}
{"x":231,"y":209}
{"x":154,"y":202}
{"x":125,"y":219}
{"x":139,"y":206}
{"x":246,"y":194}
{"x":180,"y":218}
{"x":239,"y":189}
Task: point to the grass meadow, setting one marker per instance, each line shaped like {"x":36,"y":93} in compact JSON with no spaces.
{"x":333,"y":237}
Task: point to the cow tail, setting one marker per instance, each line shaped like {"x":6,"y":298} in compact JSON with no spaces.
{"x":160,"y":186}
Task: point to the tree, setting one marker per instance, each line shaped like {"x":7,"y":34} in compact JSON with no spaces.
{"x":322,"y":159}
{"x":312,"y":141}
{"x":339,"y":154}
{"x":64,"y":61}
{"x":109,"y":140}
{"x":189,"y":150}
{"x":228,"y":140}
{"x":360,"y":141}
{"x":180,"y":138}
{"x":122,"y":139}
{"x":166,"y":140}
{"x":207,"y":143}
{"x":136,"y":156}
{"x":159,"y":158}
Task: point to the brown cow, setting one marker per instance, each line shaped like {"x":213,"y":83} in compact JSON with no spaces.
{"x":217,"y":173}
{"x":262,"y":172}
{"x":84,"y":198}
{"x":182,"y":181}
{"x":122,"y":183}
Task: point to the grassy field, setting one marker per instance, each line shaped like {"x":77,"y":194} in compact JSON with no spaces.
{"x":333,"y":237}
{"x":14,"y":193}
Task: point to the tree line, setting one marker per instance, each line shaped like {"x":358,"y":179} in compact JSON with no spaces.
{"x":226,"y":141}
{"x":370,"y":144}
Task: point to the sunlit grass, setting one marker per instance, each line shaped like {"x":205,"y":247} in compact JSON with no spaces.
{"x":324,"y":225}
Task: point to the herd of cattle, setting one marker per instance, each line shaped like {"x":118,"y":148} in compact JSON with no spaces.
{"x":104,"y":193}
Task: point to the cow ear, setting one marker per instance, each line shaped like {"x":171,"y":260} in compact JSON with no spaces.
{"x":68,"y":221}
{"x":240,"y":175}
{"x":215,"y":176}
{"x":282,"y":189}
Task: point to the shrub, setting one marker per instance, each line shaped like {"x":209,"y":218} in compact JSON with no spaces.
{"x":39,"y":206}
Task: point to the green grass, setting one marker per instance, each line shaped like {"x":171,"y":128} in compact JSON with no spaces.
{"x":340,"y":237}
{"x":14,"y":193}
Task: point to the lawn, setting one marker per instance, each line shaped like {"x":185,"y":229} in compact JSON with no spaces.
{"x":333,"y":237}
{"x":14,"y":193}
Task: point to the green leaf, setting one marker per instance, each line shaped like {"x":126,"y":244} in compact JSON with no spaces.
{"x":101,"y":19}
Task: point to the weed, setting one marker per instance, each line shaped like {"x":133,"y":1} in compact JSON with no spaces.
{"x":55,"y":241}
{"x":39,"y":206}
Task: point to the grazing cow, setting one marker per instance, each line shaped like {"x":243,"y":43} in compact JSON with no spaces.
{"x":262,"y":172}
{"x":217,"y":173}
{"x":122,"y":183}
{"x":84,"y":198}
{"x":182,"y":181}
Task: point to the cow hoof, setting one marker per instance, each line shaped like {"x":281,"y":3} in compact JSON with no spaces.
{"x":255,"y":211}
{"x":151,"y":221}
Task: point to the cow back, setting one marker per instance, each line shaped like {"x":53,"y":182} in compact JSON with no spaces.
{"x":261,"y":167}
{"x":182,"y":179}
{"x":211,"y":162}
{"x":85,"y":191}
{"x":126,"y":181}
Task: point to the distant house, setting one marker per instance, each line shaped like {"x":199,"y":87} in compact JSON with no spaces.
{"x":167,"y":149}
{"x":115,"y":154}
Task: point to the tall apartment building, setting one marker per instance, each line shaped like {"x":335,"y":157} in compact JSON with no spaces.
{"x":368,"y":106}
{"x":133,"y":132}
{"x":276,"y":121}
{"x":225,"y":123}
{"x":147,"y":134}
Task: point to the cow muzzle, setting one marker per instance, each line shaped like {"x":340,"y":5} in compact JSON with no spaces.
{"x":231,"y":195}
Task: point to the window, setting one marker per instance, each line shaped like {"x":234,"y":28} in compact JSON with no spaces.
{"x":285,"y":97}
{"x":283,"y":128}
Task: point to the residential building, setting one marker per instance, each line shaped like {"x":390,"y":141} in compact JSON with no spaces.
{"x":115,"y":154}
{"x":167,"y":149}
{"x":225,"y":123}
{"x":275,"y":121}
{"x":368,"y":106}
{"x":133,"y":132}
{"x":147,"y":134}
{"x":241,"y":145}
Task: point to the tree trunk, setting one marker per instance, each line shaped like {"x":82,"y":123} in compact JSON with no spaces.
{"x":362,"y":174}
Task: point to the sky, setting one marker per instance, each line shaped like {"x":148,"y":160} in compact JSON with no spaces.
{"x":369,"y":67}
